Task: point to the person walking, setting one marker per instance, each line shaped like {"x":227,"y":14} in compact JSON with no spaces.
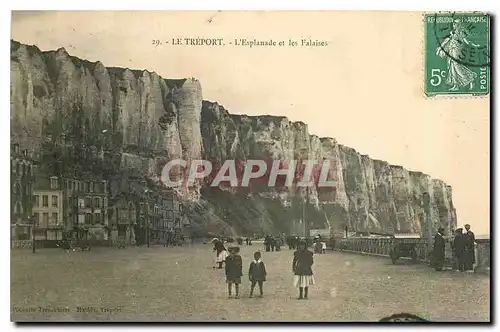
{"x":257,"y":273}
{"x":302,"y":269}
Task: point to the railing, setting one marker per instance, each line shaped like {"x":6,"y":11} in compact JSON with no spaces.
{"x":47,"y":244}
{"x":380,"y":246}
{"x":21,"y":244}
{"x":383,"y":247}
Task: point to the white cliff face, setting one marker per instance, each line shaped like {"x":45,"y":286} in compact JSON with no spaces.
{"x":136,"y":121}
{"x":370,"y":195}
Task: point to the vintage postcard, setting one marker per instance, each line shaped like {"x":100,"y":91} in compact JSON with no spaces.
{"x":250,"y":166}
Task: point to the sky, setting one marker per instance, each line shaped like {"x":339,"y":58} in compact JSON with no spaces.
{"x":365,"y":88}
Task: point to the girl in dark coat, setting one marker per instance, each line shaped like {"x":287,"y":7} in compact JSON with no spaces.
{"x":234,"y":271}
{"x":257,"y":273}
{"x":302,"y":268}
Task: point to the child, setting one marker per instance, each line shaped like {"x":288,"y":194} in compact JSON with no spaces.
{"x":220,"y":253}
{"x":323,"y":247}
{"x":234,"y":271}
{"x":302,"y":268}
{"x":257,"y":273}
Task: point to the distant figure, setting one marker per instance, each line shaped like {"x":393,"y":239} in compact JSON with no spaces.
{"x":438,"y":250}
{"x":234,"y":271}
{"x":317,"y":247}
{"x":323,"y":247}
{"x":302,"y":268}
{"x":459,"y":250}
{"x":296,"y":241}
{"x":470,"y":255}
{"x":257,"y":273}
{"x":267,"y":243}
{"x":246,"y":240}
{"x":272,"y":243}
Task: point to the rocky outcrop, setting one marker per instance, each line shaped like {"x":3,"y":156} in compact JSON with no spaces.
{"x":132,"y":122}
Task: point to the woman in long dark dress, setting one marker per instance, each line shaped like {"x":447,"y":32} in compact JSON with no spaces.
{"x":302,"y":268}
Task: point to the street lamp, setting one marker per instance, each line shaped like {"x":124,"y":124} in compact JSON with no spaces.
{"x":33,"y":223}
{"x":146,"y":216}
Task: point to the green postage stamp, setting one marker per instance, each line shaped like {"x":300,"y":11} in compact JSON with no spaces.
{"x":457,"y":54}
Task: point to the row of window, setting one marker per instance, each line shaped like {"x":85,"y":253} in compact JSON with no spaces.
{"x":20,"y":168}
{"x":87,"y":186}
{"x":45,"y":201}
{"x":91,"y":219}
{"x":82,"y":202}
{"x":169,"y":206}
{"x":121,"y":214}
{"x":25,"y":191}
{"x":96,"y":202}
{"x":15,"y":150}
{"x":43,"y":218}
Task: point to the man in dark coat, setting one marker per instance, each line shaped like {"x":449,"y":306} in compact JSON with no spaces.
{"x":459,"y":250}
{"x":470,"y":255}
{"x":438,"y":250}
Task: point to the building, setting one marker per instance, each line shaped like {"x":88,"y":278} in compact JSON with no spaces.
{"x":48,"y":209}
{"x":86,"y":214}
{"x":159,"y":212}
{"x":21,"y":194}
{"x":122,"y":214}
{"x":65,"y":206}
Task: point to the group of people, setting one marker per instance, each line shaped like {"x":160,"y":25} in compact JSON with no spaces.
{"x":172,"y":239}
{"x":462,"y":246}
{"x":257,"y":273}
{"x":319,"y":245}
{"x":272,"y":243}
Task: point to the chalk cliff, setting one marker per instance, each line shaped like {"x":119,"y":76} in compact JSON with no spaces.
{"x":131,"y":122}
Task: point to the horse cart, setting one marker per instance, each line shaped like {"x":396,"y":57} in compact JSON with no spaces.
{"x":405,"y":245}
